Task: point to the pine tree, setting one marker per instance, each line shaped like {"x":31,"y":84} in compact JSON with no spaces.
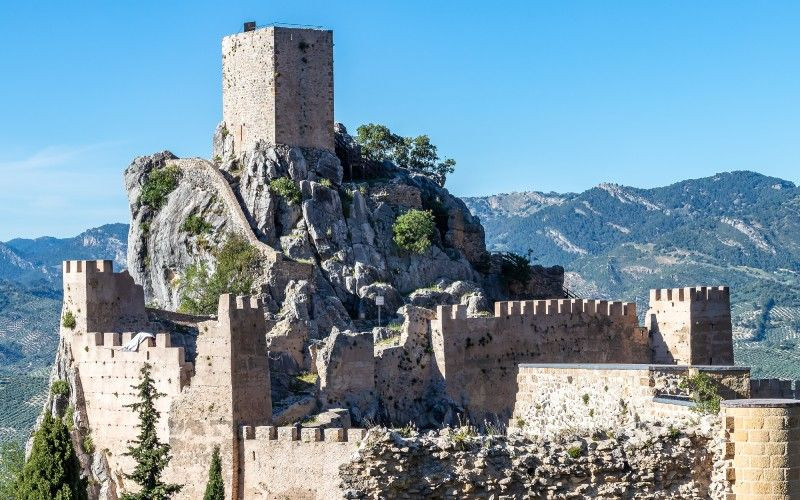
{"x":215,"y":488}
{"x":53,"y":470}
{"x":150,"y":454}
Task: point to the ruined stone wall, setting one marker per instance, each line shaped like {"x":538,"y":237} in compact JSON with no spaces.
{"x":769,"y":388}
{"x":277,"y":87}
{"x":289,"y":462}
{"x":478,"y":357}
{"x":105,"y":376}
{"x":558,"y":398}
{"x":231,"y":387}
{"x":100,"y":299}
{"x":691,"y":326}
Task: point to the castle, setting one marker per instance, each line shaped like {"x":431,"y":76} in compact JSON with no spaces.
{"x":531,"y":366}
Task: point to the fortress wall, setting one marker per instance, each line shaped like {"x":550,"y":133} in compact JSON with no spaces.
{"x":554,"y":398}
{"x":289,"y":462}
{"x":106,"y":375}
{"x":768,"y":388}
{"x":277,"y":87}
{"x":691,"y":326}
{"x":100,"y":299}
{"x":478,"y":357}
{"x":557,"y":398}
{"x":231,"y":387}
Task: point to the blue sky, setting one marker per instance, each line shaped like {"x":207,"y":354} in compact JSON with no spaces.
{"x":524,"y":95}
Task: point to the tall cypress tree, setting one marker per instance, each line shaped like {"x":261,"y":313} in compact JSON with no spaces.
{"x":151,"y":455}
{"x":53,"y":470}
{"x":215,"y":488}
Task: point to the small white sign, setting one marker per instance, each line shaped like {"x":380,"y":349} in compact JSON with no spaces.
{"x":379,"y":300}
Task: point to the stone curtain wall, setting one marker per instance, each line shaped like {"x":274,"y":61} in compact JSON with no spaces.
{"x":558,"y":398}
{"x":289,"y":462}
{"x":767,"y":388}
{"x":277,"y":87}
{"x":691,"y":326}
{"x":105,"y":376}
{"x":478,"y":357}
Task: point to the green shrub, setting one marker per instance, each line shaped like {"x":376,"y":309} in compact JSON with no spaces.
{"x":704,"y":393}
{"x":194,"y":224}
{"x":413,"y":230}
{"x":285,"y":188}
{"x":87,"y":444}
{"x":237,"y":263}
{"x":69,"y":417}
{"x":326,"y":182}
{"x":673,"y":433}
{"x":158,"y":185}
{"x":59,"y":388}
{"x":585,"y":399}
{"x":515,"y":268}
{"x":68,"y":321}
{"x":574,"y":451}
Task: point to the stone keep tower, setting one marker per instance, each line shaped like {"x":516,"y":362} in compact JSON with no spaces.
{"x":277,"y":87}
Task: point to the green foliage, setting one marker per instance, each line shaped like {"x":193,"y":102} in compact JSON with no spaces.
{"x":53,"y":470}
{"x":515,"y":268}
{"x":326,"y":182}
{"x":462,"y":436}
{"x":585,"y":399}
{"x":378,"y":143}
{"x":673,"y":433}
{"x":158,"y":185}
{"x":237,"y":263}
{"x":303,"y":382}
{"x":346,"y":199}
{"x":703,"y":391}
{"x":284,"y":187}
{"x":69,"y":417}
{"x":150,"y":454}
{"x":408,"y":430}
{"x":59,"y":388}
{"x":12,"y":459}
{"x":574,"y":451}
{"x":215,"y":487}
{"x":87,"y":444}
{"x":68,"y":321}
{"x":194,"y":224}
{"x":413,"y":230}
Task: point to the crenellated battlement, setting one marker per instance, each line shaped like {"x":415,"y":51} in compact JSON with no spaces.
{"x":274,"y":434}
{"x":87,"y":266}
{"x":688,"y":294}
{"x":95,"y":346}
{"x":552,"y":307}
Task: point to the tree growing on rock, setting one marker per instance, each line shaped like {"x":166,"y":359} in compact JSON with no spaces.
{"x":215,"y":488}
{"x":413,"y":230}
{"x":378,"y":143}
{"x":53,"y":470}
{"x":151,"y":455}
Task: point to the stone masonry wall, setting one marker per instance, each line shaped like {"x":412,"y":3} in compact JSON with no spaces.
{"x":277,"y":87}
{"x":106,"y":374}
{"x":691,"y":326}
{"x":294,"y":463}
{"x":478,"y":357}
{"x":231,"y":387}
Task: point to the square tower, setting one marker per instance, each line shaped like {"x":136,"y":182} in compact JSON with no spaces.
{"x":277,"y":87}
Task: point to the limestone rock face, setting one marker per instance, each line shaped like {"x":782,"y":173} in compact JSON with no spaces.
{"x":322,"y":224}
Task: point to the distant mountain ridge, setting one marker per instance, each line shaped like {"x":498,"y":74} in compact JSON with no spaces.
{"x":736,"y":228}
